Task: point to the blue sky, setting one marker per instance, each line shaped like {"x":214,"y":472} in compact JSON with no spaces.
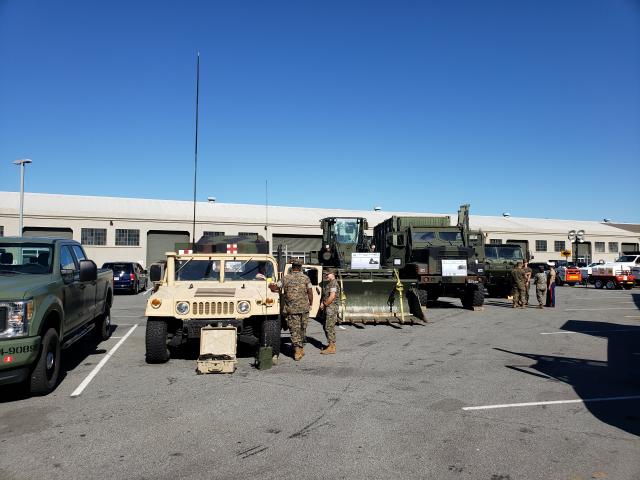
{"x":519,"y":106}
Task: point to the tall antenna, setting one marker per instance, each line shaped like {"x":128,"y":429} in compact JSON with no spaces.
{"x":266,"y":205}
{"x":195,"y":160}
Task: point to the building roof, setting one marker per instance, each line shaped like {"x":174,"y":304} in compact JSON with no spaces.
{"x":116,"y":208}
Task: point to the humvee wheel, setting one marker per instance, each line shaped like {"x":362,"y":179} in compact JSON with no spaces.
{"x":156,"y":341}
{"x":472,"y":297}
{"x":270,"y":334}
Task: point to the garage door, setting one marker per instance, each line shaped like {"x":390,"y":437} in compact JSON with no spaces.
{"x":159,"y":242}
{"x":48,"y":232}
{"x":295,"y":243}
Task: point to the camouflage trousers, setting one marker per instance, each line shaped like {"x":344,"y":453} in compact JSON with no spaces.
{"x":518,"y":294}
{"x":330,"y":319}
{"x":527,"y":287}
{"x":540,"y":291}
{"x":298,"y":327}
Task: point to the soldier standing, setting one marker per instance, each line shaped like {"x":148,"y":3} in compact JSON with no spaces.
{"x":527,"y":281}
{"x":329,"y":306}
{"x":518,"y":285}
{"x":551,"y":288}
{"x":540,"y":281}
{"x":297,"y":294}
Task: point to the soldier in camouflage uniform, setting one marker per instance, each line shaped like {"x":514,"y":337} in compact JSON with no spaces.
{"x":540,"y":281}
{"x":298,"y":296}
{"x":527,"y":281}
{"x":329,"y":306}
{"x":518,"y":286}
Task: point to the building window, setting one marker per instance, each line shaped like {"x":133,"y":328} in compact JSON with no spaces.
{"x":495,"y":241}
{"x":558,"y":245}
{"x":1,"y":231}
{"x":212,"y":234}
{"x":127,"y":238}
{"x":599,"y":247}
{"x":93,"y":236}
{"x":613,"y":247}
{"x":541,"y":245}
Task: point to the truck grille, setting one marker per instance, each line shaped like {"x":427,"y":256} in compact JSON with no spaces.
{"x":3,"y":319}
{"x":213,"y":308}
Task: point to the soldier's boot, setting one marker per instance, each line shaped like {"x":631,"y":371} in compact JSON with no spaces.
{"x":298,"y":353}
{"x":329,"y":349}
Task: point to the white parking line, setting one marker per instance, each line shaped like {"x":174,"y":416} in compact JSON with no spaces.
{"x":553,"y":402}
{"x":594,"y":309}
{"x":592,"y":331}
{"x":632,"y":316}
{"x":78,"y":391}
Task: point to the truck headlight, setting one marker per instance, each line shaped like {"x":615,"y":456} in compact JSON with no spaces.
{"x":182,"y":308}
{"x":244,"y":307}
{"x":18,"y":316}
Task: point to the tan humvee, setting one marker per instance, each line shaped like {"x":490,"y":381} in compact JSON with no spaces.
{"x":195,"y":290}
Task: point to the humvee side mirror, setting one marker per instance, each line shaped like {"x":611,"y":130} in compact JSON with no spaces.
{"x":155,"y":273}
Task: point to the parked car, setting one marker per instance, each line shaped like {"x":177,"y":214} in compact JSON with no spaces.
{"x":51,"y":296}
{"x":128,"y":276}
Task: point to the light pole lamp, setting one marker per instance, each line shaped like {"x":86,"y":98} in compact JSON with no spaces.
{"x":22,"y":163}
{"x":576,"y":237}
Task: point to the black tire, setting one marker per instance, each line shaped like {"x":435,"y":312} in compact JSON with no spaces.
{"x":102,"y":330}
{"x":598,"y":283}
{"x":611,"y":285}
{"x":477,"y":298}
{"x":627,"y":287}
{"x":156,"y":341}
{"x":270,"y":334}
{"x":423,"y":297}
{"x":571,"y":284}
{"x":46,"y":370}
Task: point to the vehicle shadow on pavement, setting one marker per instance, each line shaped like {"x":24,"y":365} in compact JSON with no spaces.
{"x":636,"y":299}
{"x":618,"y":376}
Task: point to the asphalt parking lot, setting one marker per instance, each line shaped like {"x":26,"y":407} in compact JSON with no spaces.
{"x":495,"y":394}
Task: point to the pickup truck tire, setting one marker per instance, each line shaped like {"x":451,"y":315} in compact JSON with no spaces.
{"x":102,"y":330}
{"x":270,"y":334}
{"x":46,"y":370}
{"x":156,"y":341}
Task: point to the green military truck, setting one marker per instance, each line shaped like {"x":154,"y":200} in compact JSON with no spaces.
{"x":51,"y":296}
{"x":439,"y":256}
{"x":499,"y":261}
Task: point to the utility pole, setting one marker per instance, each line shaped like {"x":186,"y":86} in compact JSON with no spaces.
{"x":22,"y":163}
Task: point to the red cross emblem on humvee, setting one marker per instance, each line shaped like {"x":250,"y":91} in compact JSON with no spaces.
{"x":232,"y":248}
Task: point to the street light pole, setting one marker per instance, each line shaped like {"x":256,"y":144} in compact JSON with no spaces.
{"x":22,"y":163}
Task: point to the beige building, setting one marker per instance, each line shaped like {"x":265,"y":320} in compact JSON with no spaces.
{"x":141,"y":230}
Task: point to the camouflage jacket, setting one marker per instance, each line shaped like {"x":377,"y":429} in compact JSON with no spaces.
{"x":518,"y":275}
{"x":540,"y":280}
{"x":328,"y":288}
{"x":296,"y":299}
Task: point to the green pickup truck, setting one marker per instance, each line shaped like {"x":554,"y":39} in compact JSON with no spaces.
{"x":51,"y":295}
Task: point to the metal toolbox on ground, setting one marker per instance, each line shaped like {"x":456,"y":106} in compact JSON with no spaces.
{"x":217,"y":350}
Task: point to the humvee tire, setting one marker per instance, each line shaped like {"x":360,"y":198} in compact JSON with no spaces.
{"x":472,"y":297}
{"x":45,"y":372}
{"x":270,"y":334}
{"x":156,"y":341}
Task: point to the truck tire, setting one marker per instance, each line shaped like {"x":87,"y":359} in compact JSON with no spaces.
{"x":46,"y":370}
{"x":102,"y":330}
{"x":478,"y":298}
{"x":627,"y":286}
{"x":472,"y":297}
{"x":598,"y":283}
{"x":156,"y":341}
{"x":270,"y":334}
{"x":423,"y":296}
{"x":611,"y":285}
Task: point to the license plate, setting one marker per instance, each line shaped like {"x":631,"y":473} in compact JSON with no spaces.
{"x":116,"y":278}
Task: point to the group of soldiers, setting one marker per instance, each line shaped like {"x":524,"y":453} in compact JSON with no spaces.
{"x":297,"y":294}
{"x":545,"y":284}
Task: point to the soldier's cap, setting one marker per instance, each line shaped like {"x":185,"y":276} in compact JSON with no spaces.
{"x":296,"y":262}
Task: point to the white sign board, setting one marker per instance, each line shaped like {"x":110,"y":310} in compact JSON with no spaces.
{"x":368,"y":261}
{"x":454,"y":268}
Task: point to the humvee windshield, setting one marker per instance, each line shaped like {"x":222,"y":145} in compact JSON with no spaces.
{"x":450,"y":236}
{"x":209,"y":270}
{"x":422,"y":237}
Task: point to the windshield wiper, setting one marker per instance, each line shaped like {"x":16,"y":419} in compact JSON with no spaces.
{"x":183,"y":265}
